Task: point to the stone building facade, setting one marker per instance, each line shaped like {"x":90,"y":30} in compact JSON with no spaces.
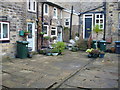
{"x":66,"y":24}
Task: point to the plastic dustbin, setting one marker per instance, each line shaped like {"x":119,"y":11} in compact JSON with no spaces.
{"x":102,"y":45}
{"x":94,"y":44}
{"x":117,"y":47}
{"x":22,"y":49}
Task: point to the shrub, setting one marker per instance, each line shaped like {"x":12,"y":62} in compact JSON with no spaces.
{"x":60,"y":46}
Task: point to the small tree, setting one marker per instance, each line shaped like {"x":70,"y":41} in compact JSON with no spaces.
{"x":97,"y":30}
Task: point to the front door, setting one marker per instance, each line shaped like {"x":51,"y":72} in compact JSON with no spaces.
{"x":31,"y":36}
{"x":60,"y":35}
{"x":87,"y":26}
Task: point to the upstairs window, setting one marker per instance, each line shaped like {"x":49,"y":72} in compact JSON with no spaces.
{"x":99,"y":20}
{"x":67,"y":22}
{"x":46,"y":9}
{"x":4,"y":31}
{"x":54,"y":12}
{"x":32,"y":5}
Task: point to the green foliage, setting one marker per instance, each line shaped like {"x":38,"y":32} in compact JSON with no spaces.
{"x":47,"y":37}
{"x":97,"y":29}
{"x":55,"y":50}
{"x":26,"y":31}
{"x":60,"y":46}
{"x":42,"y":33}
{"x":66,"y":28}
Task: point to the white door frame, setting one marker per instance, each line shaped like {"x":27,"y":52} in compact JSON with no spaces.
{"x":85,"y":16}
{"x":33,"y":35}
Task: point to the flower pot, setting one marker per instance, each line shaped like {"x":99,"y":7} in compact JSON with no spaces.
{"x":48,"y":54}
{"x":26,"y":34}
{"x":101,"y":55}
{"x":54,"y":54}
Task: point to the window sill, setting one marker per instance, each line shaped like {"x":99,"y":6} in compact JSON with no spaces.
{"x":4,"y":41}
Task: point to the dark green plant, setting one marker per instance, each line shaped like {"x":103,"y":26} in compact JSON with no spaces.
{"x":76,"y":34}
{"x":47,"y":37}
{"x":55,"y":50}
{"x":42,"y":33}
{"x":60,"y":46}
{"x":66,"y":28}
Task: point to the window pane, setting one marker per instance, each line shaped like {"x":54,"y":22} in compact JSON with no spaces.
{"x":30,"y":30}
{"x":45,"y":29}
{"x":97,"y":16}
{"x":29,"y":5}
{"x":101,"y":26}
{"x":101,"y":21}
{"x":52,"y":32}
{"x":54,"y":11}
{"x":5,"y":31}
{"x":0,"y":30}
{"x":34,"y":5}
{"x":101,"y":16}
{"x":66,"y":23}
{"x":97,"y":21}
{"x":46,"y":9}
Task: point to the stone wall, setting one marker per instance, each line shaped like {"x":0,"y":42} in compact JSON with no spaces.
{"x":112,"y":21}
{"x":15,"y":14}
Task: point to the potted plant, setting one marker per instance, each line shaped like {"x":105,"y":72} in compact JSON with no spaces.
{"x":26,"y":33}
{"x":46,"y":37}
{"x":93,"y":53}
{"x":55,"y":52}
{"x":41,"y":33}
{"x":60,"y":46}
{"x":102,"y":54}
{"x":48,"y":52}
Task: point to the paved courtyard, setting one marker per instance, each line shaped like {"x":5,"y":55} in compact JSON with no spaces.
{"x":71,"y":70}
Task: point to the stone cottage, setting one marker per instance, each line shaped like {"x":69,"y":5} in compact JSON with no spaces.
{"x":51,"y":21}
{"x":106,"y":15}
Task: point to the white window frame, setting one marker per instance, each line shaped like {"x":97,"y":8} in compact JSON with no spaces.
{"x":68,"y":21}
{"x":119,"y":21}
{"x":53,"y":30}
{"x":47,"y":30}
{"x":56,"y":13}
{"x":99,"y":19}
{"x":47,"y":9}
{"x":60,"y":14}
{"x":7,"y":30}
{"x":32,"y":5}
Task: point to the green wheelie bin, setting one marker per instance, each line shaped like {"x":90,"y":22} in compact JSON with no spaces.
{"x":22,"y":49}
{"x":94,"y":44}
{"x":102,"y":45}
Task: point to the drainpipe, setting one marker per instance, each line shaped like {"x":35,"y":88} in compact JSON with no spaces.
{"x":71,"y":23}
{"x":42,"y":18}
{"x":79,"y":25}
{"x":37,"y":24}
{"x":104,"y":10}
